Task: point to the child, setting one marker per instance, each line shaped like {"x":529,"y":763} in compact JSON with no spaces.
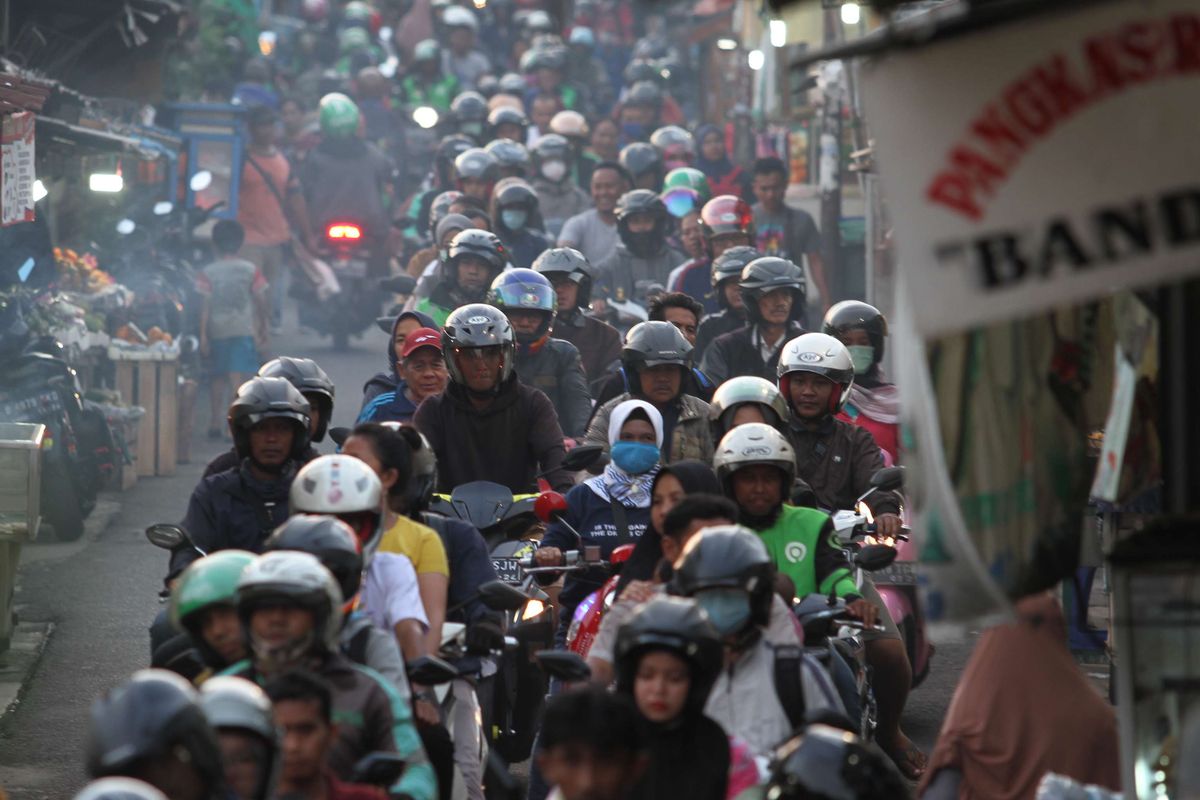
{"x":591,"y":746}
{"x":233,"y":319}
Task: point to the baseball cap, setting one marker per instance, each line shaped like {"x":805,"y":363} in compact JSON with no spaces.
{"x":421,"y":337}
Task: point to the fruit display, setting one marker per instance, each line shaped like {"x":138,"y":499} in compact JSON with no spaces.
{"x":80,"y":273}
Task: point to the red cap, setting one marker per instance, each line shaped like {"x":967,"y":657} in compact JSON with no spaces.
{"x":421,"y":337}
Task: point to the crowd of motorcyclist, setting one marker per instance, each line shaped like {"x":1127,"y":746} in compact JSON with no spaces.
{"x":587,"y":271}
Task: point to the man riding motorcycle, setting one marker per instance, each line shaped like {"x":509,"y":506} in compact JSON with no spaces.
{"x":570,"y":274}
{"x":643,"y":257}
{"x":559,"y":197}
{"x":204,"y":604}
{"x":725,"y":274}
{"x":726,"y":222}
{"x":476,"y":258}
{"x":240,"y":714}
{"x":426,"y":84}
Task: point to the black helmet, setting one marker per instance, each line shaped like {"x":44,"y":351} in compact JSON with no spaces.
{"x":470,"y":111}
{"x":476,"y":163}
{"x":448,"y":149}
{"x":478,"y":325}
{"x":488,"y":84}
{"x":640,"y":158}
{"x":828,"y":763}
{"x":260,"y":399}
{"x":728,"y":557}
{"x":307,"y":376}
{"x":650,"y":344}
{"x":479,"y":243}
{"x":645,"y":94}
{"x":850,"y":315}
{"x":154,"y":714}
{"x":675,"y":143}
{"x":677,"y":625}
{"x":440,"y":207}
{"x":766,"y":274}
{"x":731,"y":263}
{"x":507,"y":115}
{"x":512,"y":83}
{"x":512,"y":157}
{"x":642,"y":201}
{"x":329,"y":539}
{"x":572,"y":263}
{"x":423,"y":479}
{"x":639,"y":69}
{"x":550,"y":147}
{"x":515,"y":192}
{"x":236,"y":704}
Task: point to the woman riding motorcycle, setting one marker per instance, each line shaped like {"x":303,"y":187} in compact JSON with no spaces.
{"x":874,"y":403}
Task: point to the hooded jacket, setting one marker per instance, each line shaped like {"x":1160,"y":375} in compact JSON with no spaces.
{"x":737,"y":353}
{"x":598,"y":343}
{"x":556,"y":369}
{"x":689,"y":757}
{"x":689,"y":437}
{"x":618,"y":275}
{"x":395,"y":406}
{"x":516,"y":436}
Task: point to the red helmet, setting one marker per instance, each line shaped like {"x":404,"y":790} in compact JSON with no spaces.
{"x":726,"y":214}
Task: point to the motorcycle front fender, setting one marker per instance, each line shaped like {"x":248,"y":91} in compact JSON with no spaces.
{"x":897,"y":602}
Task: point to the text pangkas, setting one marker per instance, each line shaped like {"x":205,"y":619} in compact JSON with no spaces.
{"x":1057,"y":88}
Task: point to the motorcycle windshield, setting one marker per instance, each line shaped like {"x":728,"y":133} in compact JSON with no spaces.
{"x":481,"y":503}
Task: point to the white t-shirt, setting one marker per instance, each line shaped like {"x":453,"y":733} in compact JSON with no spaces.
{"x":590,"y":235}
{"x":390,"y":593}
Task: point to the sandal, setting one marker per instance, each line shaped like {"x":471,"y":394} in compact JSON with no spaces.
{"x":910,"y":761}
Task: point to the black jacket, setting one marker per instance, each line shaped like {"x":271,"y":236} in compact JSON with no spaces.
{"x":695,"y":383}
{"x":555,"y":368}
{"x":509,"y":442}
{"x":598,"y":343}
{"x":714,"y":325}
{"x":837,"y":459}
{"x":229,"y":460}
{"x":689,"y":757}
{"x":736,"y":353}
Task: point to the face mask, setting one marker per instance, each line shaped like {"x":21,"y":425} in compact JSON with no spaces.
{"x":633,"y":132}
{"x":727,"y":609}
{"x":635,"y":458}
{"x":645,"y":244}
{"x":554,"y":171}
{"x":863,"y":356}
{"x":514,"y":218}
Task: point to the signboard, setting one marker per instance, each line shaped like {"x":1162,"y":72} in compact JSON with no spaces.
{"x":1043,"y":163}
{"x":16,"y":168}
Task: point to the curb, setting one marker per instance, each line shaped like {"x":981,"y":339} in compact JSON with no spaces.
{"x":17,"y":664}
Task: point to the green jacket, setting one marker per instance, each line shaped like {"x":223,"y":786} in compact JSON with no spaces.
{"x":803,"y":546}
{"x":439,"y":313}
{"x":438,"y":95}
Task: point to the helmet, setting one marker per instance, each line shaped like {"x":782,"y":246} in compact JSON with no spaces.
{"x":550,"y":147}
{"x":511,"y":157}
{"x":307,"y":376}
{"x":677,"y":625}
{"x":513,"y":83}
{"x":154,"y":714}
{"x":210,"y":581}
{"x":470,"y":111}
{"x":739,"y":391}
{"x":570,"y":124}
{"x":650,"y":344}
{"x":448,"y":149}
{"x":419,"y":491}
{"x":487,"y":85}
{"x":296,"y":579}
{"x":850,"y":315}
{"x":537,"y":21}
{"x":766,"y":274}
{"x":726,"y":214}
{"x":820,"y":354}
{"x":645,"y":94}
{"x":427,"y":50}
{"x":640,"y":158}
{"x":639,"y":70}
{"x":341,"y":486}
{"x":476,"y":163}
{"x":515,"y":192}
{"x":478,"y":325}
{"x":352,"y":40}
{"x":339,"y":116}
{"x":119,"y":788}
{"x":727,"y":557}
{"x":459,"y":17}
{"x":832,"y":764}
{"x":260,"y":399}
{"x":642,"y":201}
{"x":356,"y":11}
{"x":314,"y":10}
{"x":479,"y":243}
{"x":582,"y":35}
{"x":674,"y":143}
{"x":238,"y":704}
{"x":685,"y":189}
{"x":751,"y":444}
{"x":730,"y":264}
{"x":543,"y":56}
{"x":507,"y":115}
{"x":525,"y":290}
{"x":330,"y":540}
{"x":574,"y":264}
{"x":440,"y":207}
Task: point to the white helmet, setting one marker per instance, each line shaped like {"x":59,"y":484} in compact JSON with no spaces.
{"x":459,"y":17}
{"x":295,"y":578}
{"x":345,"y":487}
{"x":822,"y":355}
{"x":119,"y":788}
{"x":754,"y":443}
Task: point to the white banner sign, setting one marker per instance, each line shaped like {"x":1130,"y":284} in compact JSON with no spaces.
{"x":1043,"y":163}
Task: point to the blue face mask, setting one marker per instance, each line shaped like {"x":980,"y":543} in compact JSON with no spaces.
{"x":728,"y":609}
{"x":514,"y":218}
{"x":635,"y":457}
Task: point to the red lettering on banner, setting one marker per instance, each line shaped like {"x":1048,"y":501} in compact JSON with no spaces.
{"x":1005,"y":141}
{"x":954,"y":191}
{"x":1185,"y":35}
{"x":1142,"y":43}
{"x":1103,"y":64}
{"x":1055,"y":79}
{"x":1029,"y":108}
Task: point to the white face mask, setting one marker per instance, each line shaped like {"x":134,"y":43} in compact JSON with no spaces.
{"x":554,"y":171}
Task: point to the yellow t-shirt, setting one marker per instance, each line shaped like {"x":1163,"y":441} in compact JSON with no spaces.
{"x":419,"y":542}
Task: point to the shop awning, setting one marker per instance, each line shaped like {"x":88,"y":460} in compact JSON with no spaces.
{"x":51,"y":129}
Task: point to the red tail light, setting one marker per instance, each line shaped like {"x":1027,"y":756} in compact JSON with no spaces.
{"x":343,"y":230}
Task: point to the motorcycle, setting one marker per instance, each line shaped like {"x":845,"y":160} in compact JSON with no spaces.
{"x":347,"y":301}
{"x":897,"y":583}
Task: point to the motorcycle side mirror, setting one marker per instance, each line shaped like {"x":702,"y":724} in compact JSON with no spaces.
{"x":500,"y":596}
{"x":582,"y":457}
{"x":549,"y":506}
{"x":200,"y":181}
{"x":385,"y":324}
{"x":431,"y":671}
{"x":888,"y":479}
{"x":126,"y":227}
{"x":398,"y":284}
{"x":378,"y":769}
{"x":163,"y":207}
{"x":564,"y":665}
{"x":167,"y":536}
{"x":875,"y":557}
{"x":339,"y":435}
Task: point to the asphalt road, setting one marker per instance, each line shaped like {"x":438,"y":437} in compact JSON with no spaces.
{"x":101,"y":593}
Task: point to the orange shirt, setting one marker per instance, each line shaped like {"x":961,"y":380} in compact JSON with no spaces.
{"x":258,"y":210}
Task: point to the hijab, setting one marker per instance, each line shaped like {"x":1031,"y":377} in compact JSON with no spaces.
{"x":714,"y":170}
{"x":426,"y":322}
{"x":631,"y":491}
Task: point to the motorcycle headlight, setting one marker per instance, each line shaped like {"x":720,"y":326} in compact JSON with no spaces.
{"x":532,"y":609}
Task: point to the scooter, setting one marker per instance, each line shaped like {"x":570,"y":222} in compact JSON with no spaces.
{"x":347,"y":304}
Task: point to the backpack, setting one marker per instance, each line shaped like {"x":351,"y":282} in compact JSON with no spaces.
{"x":789,"y":660}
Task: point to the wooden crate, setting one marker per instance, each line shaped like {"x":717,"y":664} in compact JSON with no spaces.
{"x":152,"y":384}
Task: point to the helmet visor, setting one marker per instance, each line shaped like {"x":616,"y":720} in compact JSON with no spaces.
{"x":525,"y":296}
{"x":681,"y":201}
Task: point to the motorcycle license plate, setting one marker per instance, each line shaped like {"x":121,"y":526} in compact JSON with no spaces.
{"x":508,"y":569}
{"x":902,"y":574}
{"x":351,"y":268}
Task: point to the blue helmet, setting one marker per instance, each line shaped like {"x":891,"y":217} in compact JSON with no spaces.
{"x":525,"y":290}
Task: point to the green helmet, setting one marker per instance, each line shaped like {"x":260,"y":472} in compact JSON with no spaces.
{"x":685,"y":189}
{"x":339,"y":116}
{"x":211,"y":581}
{"x":351,"y":40}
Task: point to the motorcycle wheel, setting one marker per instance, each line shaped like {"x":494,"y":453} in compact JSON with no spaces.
{"x":60,"y":504}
